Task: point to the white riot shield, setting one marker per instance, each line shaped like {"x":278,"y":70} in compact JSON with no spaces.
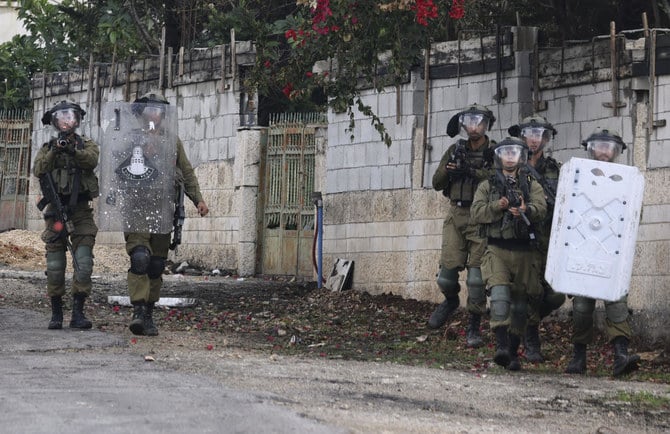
{"x":137,"y":170}
{"x":594,"y":229}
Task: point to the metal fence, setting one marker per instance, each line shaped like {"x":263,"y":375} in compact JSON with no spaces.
{"x":15,"y":132}
{"x":289,"y":182}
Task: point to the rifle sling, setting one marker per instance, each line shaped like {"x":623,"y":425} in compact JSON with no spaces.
{"x":541,"y":179}
{"x":74,"y":196}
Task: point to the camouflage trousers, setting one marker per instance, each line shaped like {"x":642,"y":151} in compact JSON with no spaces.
{"x":141,"y":286}
{"x":518,"y":271}
{"x":82,"y":239}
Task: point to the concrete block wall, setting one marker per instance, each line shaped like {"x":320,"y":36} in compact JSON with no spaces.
{"x":379,"y":206}
{"x":393,"y":233}
{"x":208,"y":115}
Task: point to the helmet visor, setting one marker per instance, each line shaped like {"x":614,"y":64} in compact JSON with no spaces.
{"x":510,"y":156}
{"x":473,"y":125}
{"x":536,"y":137}
{"x":603,"y":150}
{"x":65,"y":120}
{"x":153,"y":115}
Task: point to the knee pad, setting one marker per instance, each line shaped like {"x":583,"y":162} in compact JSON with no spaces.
{"x":583,"y":306}
{"x":56,"y":267}
{"x":84,"y":257}
{"x":447,"y":281}
{"x":139,"y":260}
{"x":500,"y":302}
{"x":617,"y":311}
{"x":475,"y":284}
{"x":156,"y":267}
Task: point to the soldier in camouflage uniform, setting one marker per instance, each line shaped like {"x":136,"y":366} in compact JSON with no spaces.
{"x":461,"y":169}
{"x":70,"y":159}
{"x":507,"y":206}
{"x":537,"y":133}
{"x":603,"y":145}
{"x":148,"y":252}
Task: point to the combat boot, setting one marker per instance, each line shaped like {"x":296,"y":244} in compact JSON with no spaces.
{"x":532,"y":344}
{"x":150,"y":328}
{"x":473,"y":337}
{"x":502,"y":355}
{"x":137,"y":322}
{"x":443,"y":312}
{"x":514,"y":363}
{"x":56,"y":322}
{"x":578,"y":363}
{"x":79,"y":320}
{"x":623,"y":362}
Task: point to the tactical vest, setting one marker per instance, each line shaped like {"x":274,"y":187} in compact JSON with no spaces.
{"x":462,"y":189}
{"x":509,"y":228}
{"x":67,"y":175}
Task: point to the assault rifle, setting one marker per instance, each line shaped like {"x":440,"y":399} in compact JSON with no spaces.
{"x":459,"y":159}
{"x":514,"y":199}
{"x":179,"y":216}
{"x":62,"y":223}
{"x":549,"y":190}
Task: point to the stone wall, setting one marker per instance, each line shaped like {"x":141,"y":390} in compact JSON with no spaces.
{"x":205,"y":87}
{"x":379,"y":207}
{"x":381,"y":211}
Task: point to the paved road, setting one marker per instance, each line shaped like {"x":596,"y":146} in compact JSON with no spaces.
{"x":56,"y":382}
{"x":73,"y":381}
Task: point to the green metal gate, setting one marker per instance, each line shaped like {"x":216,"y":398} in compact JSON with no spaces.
{"x":288,"y":214}
{"x":15,"y":131}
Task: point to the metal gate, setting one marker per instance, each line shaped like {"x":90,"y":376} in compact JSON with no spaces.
{"x":288,"y":214}
{"x":15,"y":131}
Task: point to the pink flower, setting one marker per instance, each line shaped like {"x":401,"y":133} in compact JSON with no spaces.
{"x":290,"y":34}
{"x":425,"y":9}
{"x":287,"y":90}
{"x":457,"y":10}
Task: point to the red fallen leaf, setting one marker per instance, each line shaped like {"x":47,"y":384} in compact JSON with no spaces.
{"x":133,"y":341}
{"x":116,"y":309}
{"x":210,"y":347}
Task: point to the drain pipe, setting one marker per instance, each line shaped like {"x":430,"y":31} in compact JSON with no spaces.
{"x":317,"y":200}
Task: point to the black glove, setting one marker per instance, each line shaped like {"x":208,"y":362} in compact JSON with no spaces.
{"x":457,"y":173}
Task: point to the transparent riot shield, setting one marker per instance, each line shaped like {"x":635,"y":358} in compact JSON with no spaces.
{"x":594,"y":229}
{"x":137,"y":168}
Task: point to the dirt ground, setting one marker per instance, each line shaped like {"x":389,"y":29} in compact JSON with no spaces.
{"x":249,"y":323}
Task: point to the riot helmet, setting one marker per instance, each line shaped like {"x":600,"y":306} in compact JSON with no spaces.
{"x":510,"y":154}
{"x":472,"y":123}
{"x":604,"y":145}
{"x":535,"y":131}
{"x":150,"y":107}
{"x":65,"y":116}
